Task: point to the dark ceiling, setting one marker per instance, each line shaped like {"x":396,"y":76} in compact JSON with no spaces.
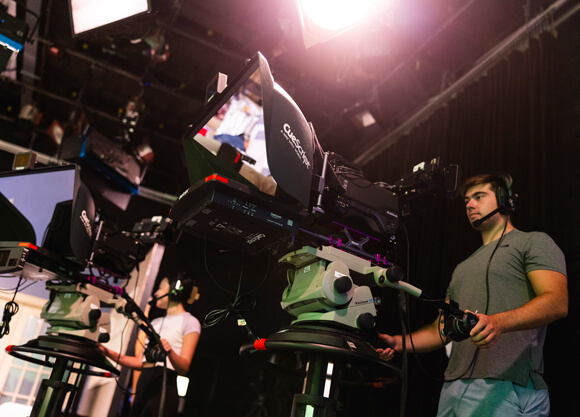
{"x":390,"y":66}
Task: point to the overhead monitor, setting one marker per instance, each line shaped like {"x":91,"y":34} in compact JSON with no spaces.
{"x":87,"y":16}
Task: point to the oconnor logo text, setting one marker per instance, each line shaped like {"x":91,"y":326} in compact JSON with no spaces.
{"x":295,"y":142}
{"x":255,"y":238}
{"x":86,"y":222}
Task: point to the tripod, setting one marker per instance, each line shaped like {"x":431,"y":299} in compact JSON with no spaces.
{"x":72,"y":355}
{"x":324,"y":348}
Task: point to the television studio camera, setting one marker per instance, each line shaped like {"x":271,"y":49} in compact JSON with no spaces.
{"x":343,"y":223}
{"x":81,"y":260}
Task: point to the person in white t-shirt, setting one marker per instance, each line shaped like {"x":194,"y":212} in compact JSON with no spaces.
{"x":179,"y":332}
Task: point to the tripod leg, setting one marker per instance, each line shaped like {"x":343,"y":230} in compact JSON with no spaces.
{"x":52,"y":392}
{"x":314,"y":401}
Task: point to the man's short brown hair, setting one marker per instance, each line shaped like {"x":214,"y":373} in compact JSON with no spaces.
{"x":494,"y":180}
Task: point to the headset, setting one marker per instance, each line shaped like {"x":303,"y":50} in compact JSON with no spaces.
{"x":176,"y":287}
{"x":506,"y":199}
{"x":183,"y":289}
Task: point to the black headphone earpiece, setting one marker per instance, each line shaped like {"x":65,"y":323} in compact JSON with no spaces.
{"x":506,"y":199}
{"x":181,"y":289}
{"x":177,"y":287}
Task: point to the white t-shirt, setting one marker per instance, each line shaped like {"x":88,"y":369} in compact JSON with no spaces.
{"x":173,"y":328}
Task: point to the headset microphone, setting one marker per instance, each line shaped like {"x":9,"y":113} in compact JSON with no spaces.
{"x":154,"y":299}
{"x":177,"y":288}
{"x":478,"y":222}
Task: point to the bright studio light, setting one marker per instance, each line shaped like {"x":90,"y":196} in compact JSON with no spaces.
{"x":322,"y":20}
{"x":337,"y":14}
{"x":91,"y":14}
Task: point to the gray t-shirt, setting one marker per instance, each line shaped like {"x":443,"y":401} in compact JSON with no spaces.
{"x":517,"y":356}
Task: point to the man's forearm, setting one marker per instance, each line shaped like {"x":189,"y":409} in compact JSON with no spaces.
{"x":538,"y":312}
{"x":425,"y":339}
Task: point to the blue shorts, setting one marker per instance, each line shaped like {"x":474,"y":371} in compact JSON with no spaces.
{"x":491,"y":397}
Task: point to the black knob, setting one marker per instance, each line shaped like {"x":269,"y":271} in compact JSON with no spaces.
{"x":395,"y":273}
{"x":95,"y":314}
{"x":104,"y":337}
{"x":342,"y":284}
{"x":365,"y":321}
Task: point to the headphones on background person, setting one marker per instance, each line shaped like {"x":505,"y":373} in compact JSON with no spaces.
{"x":176,"y":286}
{"x":183,"y":289}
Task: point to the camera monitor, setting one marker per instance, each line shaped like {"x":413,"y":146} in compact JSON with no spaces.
{"x":256,"y":203}
{"x":280,"y":139}
{"x":57,"y":205}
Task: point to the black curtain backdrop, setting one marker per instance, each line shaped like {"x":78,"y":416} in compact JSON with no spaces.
{"x":512,"y":119}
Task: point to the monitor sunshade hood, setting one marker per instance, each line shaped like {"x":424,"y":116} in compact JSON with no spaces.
{"x":289,"y":137}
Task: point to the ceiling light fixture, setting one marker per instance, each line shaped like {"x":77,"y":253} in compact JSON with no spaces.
{"x":322,"y":20}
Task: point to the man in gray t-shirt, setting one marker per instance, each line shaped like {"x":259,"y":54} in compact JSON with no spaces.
{"x":516,"y":284}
